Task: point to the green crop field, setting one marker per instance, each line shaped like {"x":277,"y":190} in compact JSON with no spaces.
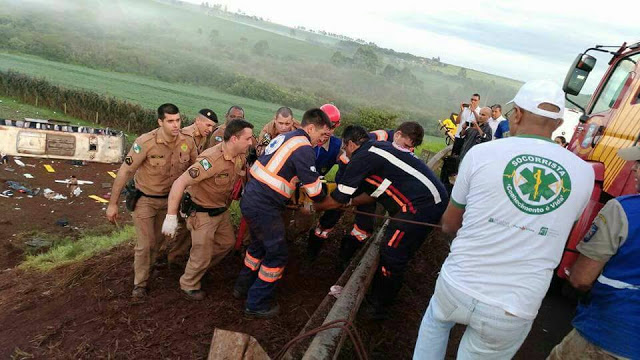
{"x":147,"y":92}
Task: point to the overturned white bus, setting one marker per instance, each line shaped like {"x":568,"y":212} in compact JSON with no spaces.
{"x":58,"y":139}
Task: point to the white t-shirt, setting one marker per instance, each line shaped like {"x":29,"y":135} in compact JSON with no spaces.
{"x":465,"y":115}
{"x":521,"y":196}
{"x":494,"y":124}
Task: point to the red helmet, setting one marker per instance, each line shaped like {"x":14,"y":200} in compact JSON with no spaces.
{"x":332,"y":112}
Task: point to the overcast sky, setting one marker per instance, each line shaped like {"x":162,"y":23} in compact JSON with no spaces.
{"x":523,"y":40}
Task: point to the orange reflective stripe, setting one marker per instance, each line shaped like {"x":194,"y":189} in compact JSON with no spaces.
{"x":395,"y":239}
{"x":275,"y":182}
{"x":282,"y":154}
{"x":381,"y":135}
{"x":251,"y":262}
{"x":314,"y":188}
{"x":386,"y":272}
{"x":269,"y":274}
{"x":392,"y":195}
{"x":358,"y":233}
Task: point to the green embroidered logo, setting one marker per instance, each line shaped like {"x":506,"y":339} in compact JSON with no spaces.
{"x":205,"y":164}
{"x":536,"y":185}
{"x":136,"y":148}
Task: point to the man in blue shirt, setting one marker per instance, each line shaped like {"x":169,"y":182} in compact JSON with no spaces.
{"x":607,"y":321}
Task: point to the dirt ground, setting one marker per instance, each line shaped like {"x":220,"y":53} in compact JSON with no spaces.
{"x":83,"y":310}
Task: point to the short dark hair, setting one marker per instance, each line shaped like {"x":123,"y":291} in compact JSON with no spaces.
{"x":356,"y":134}
{"x":284,"y":112}
{"x":235,"y":107}
{"x":562,"y":139}
{"x":412,"y":130}
{"x":234,"y":127}
{"x":167,"y":109}
{"x":496,"y":106}
{"x":476,"y":94}
{"x":316,"y":117}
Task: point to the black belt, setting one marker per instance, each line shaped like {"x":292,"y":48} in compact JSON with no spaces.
{"x":210,"y":211}
{"x":154,"y":196}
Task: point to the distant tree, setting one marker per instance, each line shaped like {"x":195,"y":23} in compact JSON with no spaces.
{"x":292,"y":32}
{"x":462,"y":73}
{"x":338,"y":59}
{"x":261,"y":47}
{"x":390,"y":72}
{"x":243,"y":40}
{"x":367,"y":58}
{"x":199,"y":31}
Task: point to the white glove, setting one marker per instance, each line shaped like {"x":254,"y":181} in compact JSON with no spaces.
{"x":170,"y":225}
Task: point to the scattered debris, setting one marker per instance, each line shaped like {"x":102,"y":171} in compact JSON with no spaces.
{"x":49,"y":168}
{"x":10,"y":169}
{"x":112,"y":174}
{"x":31,"y":165}
{"x":80,"y":182}
{"x":6,"y":193}
{"x":20,"y":188}
{"x":98,"y":199}
{"x":62,"y":222}
{"x":78,"y":163}
{"x":335,"y":291}
{"x":106,"y":185}
{"x":4,"y":158}
{"x":76,"y":192}
{"x":19,"y":162}
{"x":52,"y":195}
{"x":28,"y":176}
{"x":107,"y":195}
{"x":38,"y":243}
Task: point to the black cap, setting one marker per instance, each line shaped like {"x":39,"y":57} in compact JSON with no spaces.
{"x":209,"y":114}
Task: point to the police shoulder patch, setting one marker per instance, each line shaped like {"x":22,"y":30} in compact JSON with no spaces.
{"x":136,"y":148}
{"x":128,"y":160}
{"x":206,"y":165}
{"x":592,"y":231}
{"x":194,"y":172}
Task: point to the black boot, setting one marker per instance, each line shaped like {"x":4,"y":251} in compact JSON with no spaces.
{"x":349,"y":245}
{"x":314,"y":245}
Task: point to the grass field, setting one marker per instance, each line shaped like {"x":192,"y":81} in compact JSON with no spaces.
{"x":137,"y":89}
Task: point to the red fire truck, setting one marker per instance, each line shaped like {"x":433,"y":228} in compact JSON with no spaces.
{"x":611,"y":121}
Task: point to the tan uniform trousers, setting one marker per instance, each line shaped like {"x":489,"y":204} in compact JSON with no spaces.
{"x":147,"y":219}
{"x":211,"y":239}
{"x":181,"y":243}
{"x":576,"y":347}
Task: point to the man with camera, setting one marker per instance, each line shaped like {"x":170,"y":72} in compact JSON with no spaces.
{"x":468,"y":112}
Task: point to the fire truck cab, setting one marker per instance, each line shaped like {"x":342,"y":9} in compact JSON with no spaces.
{"x":610,"y":121}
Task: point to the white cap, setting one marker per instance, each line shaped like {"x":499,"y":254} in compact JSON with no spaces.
{"x":537,"y":92}
{"x":630,"y":153}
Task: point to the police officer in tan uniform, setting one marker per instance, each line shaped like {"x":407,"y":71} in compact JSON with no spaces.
{"x":234,"y":112}
{"x":282,"y":122}
{"x":209,"y":184}
{"x":203,"y":126}
{"x":156,"y":159}
{"x":200,"y":131}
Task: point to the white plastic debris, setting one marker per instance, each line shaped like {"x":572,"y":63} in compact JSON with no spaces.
{"x":52,"y":195}
{"x":19,"y":162}
{"x":77,"y":191}
{"x":335,"y":291}
{"x":28,"y":176}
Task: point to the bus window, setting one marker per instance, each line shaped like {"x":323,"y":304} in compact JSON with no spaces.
{"x":615,"y":83}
